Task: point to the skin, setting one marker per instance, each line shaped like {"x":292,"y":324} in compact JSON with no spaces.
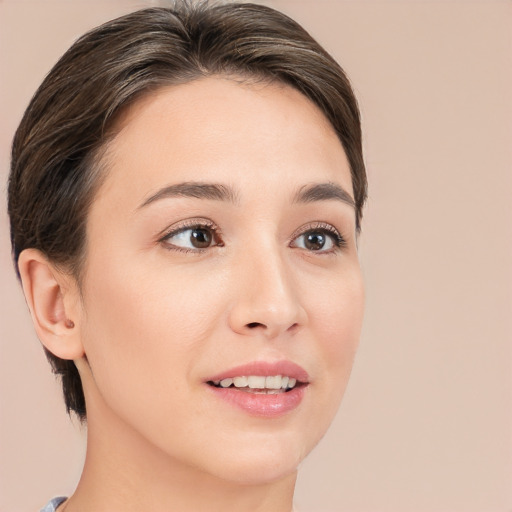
{"x":152,"y":322}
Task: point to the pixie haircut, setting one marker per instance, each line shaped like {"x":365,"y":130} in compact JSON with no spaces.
{"x":58,"y":147}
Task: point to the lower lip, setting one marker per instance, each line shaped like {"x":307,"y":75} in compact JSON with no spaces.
{"x":261,"y":404}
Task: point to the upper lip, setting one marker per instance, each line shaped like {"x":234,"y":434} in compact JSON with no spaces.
{"x":264,"y":369}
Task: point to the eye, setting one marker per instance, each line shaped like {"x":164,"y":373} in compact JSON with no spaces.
{"x":314,"y":241}
{"x":194,"y":237}
{"x":322,"y":238}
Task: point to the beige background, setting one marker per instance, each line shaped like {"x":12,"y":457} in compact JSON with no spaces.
{"x":426,"y":423}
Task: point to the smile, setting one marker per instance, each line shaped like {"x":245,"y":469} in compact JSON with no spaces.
{"x":264,"y":389}
{"x":272,"y":384}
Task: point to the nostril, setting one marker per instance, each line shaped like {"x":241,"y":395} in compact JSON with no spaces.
{"x":252,"y":325}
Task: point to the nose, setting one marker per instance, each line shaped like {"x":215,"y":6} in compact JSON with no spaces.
{"x":266,"y":300}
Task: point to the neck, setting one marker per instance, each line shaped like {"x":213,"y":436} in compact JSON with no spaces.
{"x":124,"y":472}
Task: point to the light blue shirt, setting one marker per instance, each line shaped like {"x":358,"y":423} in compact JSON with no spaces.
{"x":52,"y":505}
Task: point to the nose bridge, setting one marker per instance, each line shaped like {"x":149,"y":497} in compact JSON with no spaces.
{"x":266,"y":299}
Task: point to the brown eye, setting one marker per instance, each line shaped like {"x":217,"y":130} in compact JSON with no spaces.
{"x":314,"y":241}
{"x":319,"y":239}
{"x":200,"y":238}
{"x":191,"y":238}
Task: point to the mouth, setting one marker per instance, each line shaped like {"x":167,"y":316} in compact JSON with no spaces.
{"x":262,"y":389}
{"x":259,"y":384}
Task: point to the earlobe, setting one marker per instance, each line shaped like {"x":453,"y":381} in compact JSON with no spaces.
{"x":52,"y":298}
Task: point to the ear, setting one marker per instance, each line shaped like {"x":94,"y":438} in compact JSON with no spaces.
{"x":54,"y":302}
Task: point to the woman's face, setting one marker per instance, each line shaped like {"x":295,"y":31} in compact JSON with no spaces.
{"x":221,"y":245}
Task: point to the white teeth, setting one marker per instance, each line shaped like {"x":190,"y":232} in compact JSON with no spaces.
{"x":225,"y":383}
{"x":272,"y":382}
{"x":240,"y":382}
{"x":256,"y":382}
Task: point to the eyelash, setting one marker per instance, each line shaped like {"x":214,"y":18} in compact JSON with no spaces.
{"x":319,"y":227}
{"x":327,"y":229}
{"x":192,"y":224}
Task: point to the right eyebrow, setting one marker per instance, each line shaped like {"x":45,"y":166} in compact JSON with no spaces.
{"x":324,"y":192}
{"x":196,"y":189}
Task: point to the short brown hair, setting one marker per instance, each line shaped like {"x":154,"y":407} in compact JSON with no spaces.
{"x":71,"y":118}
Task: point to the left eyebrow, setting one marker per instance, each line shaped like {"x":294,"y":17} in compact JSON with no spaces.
{"x":198,"y":190}
{"x":323,"y":192}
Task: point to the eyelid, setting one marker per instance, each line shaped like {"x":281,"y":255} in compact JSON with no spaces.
{"x":180,"y":226}
{"x":176,"y":228}
{"x":339,"y":240}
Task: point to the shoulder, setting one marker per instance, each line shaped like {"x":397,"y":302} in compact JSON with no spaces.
{"x":52,"y":505}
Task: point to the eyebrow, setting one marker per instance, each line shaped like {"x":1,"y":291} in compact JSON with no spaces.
{"x":198,"y":190}
{"x":218,"y":192}
{"x":323,"y":192}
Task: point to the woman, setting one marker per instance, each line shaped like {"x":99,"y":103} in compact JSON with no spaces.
{"x":185,"y":198}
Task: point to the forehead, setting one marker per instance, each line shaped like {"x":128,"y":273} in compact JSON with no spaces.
{"x":245,"y":134}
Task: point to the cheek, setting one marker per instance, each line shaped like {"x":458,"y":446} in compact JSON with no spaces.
{"x":144,"y":330}
{"x":143,"y":298}
{"x":336,"y":312}
{"x":336,"y":320}
{"x":344,"y":321}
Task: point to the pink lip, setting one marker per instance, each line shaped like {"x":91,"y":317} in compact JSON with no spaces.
{"x":263,"y":405}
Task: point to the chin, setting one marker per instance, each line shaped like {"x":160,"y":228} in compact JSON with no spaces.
{"x":260,"y":461}
{"x":258,"y":472}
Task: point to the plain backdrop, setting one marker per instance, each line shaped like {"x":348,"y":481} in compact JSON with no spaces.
{"x":426,"y":422}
